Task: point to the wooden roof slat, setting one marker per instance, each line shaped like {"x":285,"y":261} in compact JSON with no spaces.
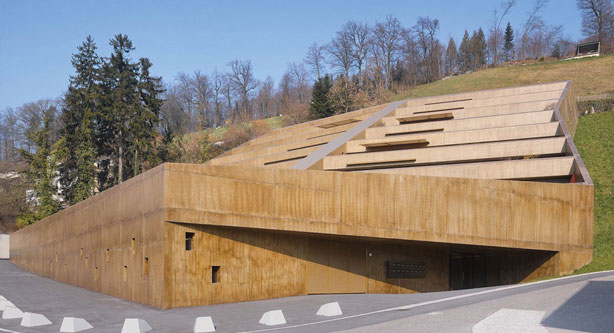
{"x":393,"y":143}
{"x":426,"y":117}
{"x":339,"y":123}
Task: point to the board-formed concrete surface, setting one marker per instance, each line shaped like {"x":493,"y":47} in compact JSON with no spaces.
{"x":581,"y":303}
{"x":4,"y":246}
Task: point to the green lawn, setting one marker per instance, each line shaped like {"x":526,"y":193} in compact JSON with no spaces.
{"x":589,"y":76}
{"x":595,"y":141}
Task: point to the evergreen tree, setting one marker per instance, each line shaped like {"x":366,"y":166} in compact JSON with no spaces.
{"x":120,"y":78}
{"x":129,"y":117}
{"x":41,"y":175}
{"x":321,"y":106}
{"x":451,"y":57}
{"x":76,"y":148}
{"x":556,"y":52}
{"x":144,"y":121}
{"x":478,"y":49}
{"x":465,"y":58}
{"x":508,"y":46}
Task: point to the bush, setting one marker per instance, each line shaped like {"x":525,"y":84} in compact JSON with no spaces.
{"x":599,"y":105}
{"x":240,"y":133}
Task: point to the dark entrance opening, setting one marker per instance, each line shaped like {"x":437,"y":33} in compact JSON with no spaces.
{"x":470,"y":270}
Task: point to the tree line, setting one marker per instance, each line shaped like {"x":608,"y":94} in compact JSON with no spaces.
{"x":117,"y":119}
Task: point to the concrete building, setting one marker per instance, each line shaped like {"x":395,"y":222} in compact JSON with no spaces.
{"x":437,"y":193}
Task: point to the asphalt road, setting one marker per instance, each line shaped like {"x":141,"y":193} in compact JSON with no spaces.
{"x":578,"y":303}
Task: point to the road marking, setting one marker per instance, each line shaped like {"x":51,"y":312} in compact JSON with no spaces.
{"x":9,"y":331}
{"x":435,"y":313}
{"x":512,"y":321}
{"x":442,"y":300}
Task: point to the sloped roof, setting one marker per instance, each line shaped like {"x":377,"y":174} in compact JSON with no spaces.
{"x":520,"y":133}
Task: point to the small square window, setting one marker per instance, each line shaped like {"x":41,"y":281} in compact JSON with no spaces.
{"x":215,"y":274}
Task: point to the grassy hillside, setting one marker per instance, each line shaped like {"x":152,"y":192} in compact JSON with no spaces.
{"x":595,"y":141}
{"x":590,"y":76}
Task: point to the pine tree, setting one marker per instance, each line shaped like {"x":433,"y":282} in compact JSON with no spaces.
{"x":478,"y":49}
{"x":41,"y":175}
{"x":130,"y":114}
{"x":120,"y":97}
{"x":508,"y":46}
{"x":76,"y":148}
{"x":321,"y":106}
{"x":144,"y":121}
{"x":465,"y":58}
{"x":451,"y":57}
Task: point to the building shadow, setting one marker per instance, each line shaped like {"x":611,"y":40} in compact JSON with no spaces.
{"x":589,"y":310}
{"x":488,"y":267}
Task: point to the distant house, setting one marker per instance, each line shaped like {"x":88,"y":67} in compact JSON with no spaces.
{"x":590,"y":49}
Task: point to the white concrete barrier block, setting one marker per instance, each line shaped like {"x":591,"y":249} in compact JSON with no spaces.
{"x":5,"y":303}
{"x":4,"y":246}
{"x":330,"y":309}
{"x":72,"y":324}
{"x":135,"y":325}
{"x":275,"y":317}
{"x":12,"y":312}
{"x":2,"y":298}
{"x":204,"y":325}
{"x":34,"y":319}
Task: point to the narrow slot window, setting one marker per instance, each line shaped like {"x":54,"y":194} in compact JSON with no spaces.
{"x":86,"y":261}
{"x":125,"y":273}
{"x":146,"y":266}
{"x":107,"y":255}
{"x":133,"y":245}
{"x":81,"y":254}
{"x":96,"y":274}
{"x":215,"y":274}
{"x":188,"y":240}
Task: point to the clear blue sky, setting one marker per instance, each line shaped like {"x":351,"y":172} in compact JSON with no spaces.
{"x":37,"y":38}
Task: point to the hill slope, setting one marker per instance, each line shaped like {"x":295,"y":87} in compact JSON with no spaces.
{"x":590,"y":76}
{"x":595,"y":141}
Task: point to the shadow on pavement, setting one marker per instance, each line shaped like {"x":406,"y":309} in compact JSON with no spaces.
{"x":589,"y":310}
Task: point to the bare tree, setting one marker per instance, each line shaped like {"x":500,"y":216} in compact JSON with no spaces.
{"x":425,"y":32}
{"x":172,"y":112}
{"x":534,"y":22}
{"x":228,"y":95}
{"x":315,"y":59}
{"x":300,"y":80}
{"x":551,"y":34}
{"x":187,"y":96}
{"x":496,"y":32}
{"x":341,"y":52}
{"x":264,"y":100}
{"x":598,"y":20}
{"x":387,"y":36}
{"x":202,"y":88}
{"x":10,"y":135}
{"x":358,"y":34}
{"x":243,"y":83}
{"x":217,"y":85}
